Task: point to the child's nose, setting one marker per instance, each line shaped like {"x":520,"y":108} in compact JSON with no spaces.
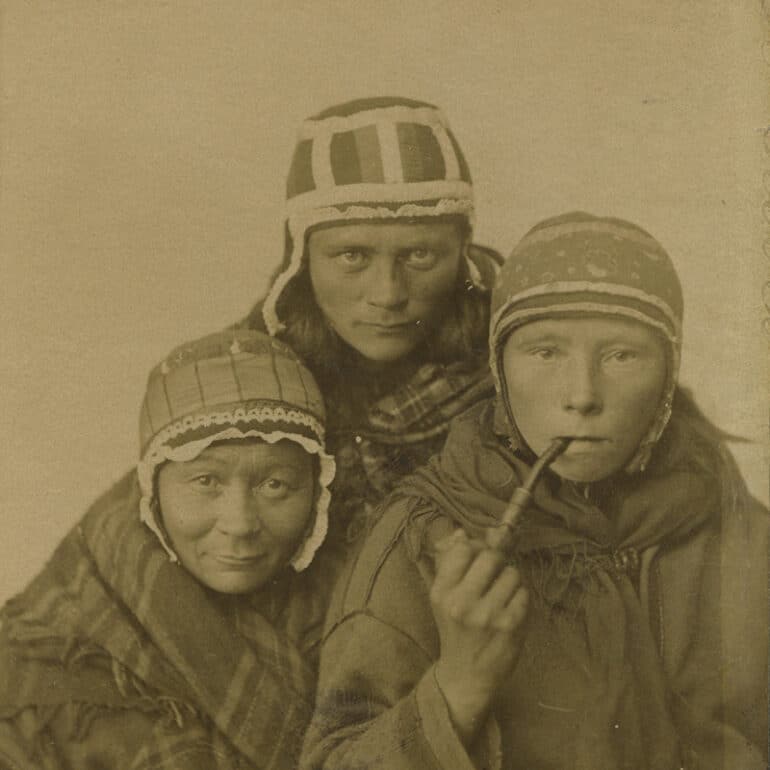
{"x":239,"y":513}
{"x":387,"y":284}
{"x":581,"y":389}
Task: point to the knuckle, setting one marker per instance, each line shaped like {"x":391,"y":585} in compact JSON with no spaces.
{"x":512,"y":575}
{"x":491,"y":557}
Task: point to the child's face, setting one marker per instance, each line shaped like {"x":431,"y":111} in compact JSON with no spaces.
{"x":381,"y":285}
{"x":236,"y":514}
{"x":595,"y":378}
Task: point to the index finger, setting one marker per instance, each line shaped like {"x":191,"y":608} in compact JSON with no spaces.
{"x":453,"y":560}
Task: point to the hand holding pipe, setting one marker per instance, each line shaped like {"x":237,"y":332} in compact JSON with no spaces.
{"x":501,"y":537}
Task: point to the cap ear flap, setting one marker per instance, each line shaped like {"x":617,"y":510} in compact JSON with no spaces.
{"x":318,"y":524}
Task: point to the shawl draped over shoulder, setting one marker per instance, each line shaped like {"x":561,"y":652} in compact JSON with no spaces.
{"x":116,"y":657}
{"x":646,"y":644}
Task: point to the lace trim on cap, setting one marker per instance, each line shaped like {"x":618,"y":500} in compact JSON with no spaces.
{"x":147,"y":467}
{"x":300,"y":222}
{"x":370,"y":194}
{"x":261,"y":413}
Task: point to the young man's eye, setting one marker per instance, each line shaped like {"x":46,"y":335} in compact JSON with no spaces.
{"x":422,"y":259}
{"x":350,"y":260}
{"x":544,"y":354}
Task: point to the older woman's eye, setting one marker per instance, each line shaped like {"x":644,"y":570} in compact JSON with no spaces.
{"x":274,"y":488}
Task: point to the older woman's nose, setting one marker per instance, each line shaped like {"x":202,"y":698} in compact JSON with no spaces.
{"x":239,"y":513}
{"x":387,"y":286}
{"x":581,"y":389}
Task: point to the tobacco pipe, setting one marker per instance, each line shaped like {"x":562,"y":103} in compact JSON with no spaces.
{"x":501,"y":537}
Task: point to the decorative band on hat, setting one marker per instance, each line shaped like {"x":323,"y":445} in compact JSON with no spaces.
{"x":265,"y":416}
{"x":583,"y":298}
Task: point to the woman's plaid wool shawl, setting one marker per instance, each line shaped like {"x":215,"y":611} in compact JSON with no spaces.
{"x":112,"y":627}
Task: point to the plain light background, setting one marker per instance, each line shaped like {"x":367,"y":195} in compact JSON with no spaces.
{"x":145,"y":147}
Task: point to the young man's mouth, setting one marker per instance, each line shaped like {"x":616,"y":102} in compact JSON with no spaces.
{"x":391,"y":328}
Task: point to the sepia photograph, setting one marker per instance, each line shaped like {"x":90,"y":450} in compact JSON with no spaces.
{"x":384,"y":386}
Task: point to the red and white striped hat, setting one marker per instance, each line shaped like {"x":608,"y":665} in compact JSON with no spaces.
{"x":379,"y":158}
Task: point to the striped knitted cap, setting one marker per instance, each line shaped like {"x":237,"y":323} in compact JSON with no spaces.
{"x":378,"y":158}
{"x":579,"y":263}
{"x":231,"y":385}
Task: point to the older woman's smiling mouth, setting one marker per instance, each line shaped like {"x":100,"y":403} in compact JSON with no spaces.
{"x":238,"y":561}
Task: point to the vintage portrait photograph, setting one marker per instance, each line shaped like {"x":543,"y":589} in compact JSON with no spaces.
{"x":385,"y":386}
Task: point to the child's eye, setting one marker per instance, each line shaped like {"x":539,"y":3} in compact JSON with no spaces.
{"x":622,"y":356}
{"x":421,"y":259}
{"x":350,"y":260}
{"x":205,"y":480}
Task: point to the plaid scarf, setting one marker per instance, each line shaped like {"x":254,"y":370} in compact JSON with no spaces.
{"x":111,"y":624}
{"x":402,"y":430}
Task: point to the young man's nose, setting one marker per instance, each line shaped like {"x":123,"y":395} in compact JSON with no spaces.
{"x":581,"y":389}
{"x":239,"y":515}
{"x":387,"y":287}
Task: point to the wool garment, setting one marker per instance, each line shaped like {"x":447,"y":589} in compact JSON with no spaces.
{"x":646,"y":642}
{"x":373,"y":159}
{"x":116,"y":657}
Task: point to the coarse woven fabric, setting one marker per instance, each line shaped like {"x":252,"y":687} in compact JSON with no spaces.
{"x":636,"y":655}
{"x":115,"y":657}
{"x":373,"y":159}
{"x":393,"y":435}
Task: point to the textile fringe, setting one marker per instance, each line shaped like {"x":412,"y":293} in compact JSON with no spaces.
{"x":173,"y":709}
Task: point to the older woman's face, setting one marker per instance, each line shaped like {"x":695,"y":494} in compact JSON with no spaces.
{"x":236,"y":514}
{"x":381,"y":286}
{"x":598,"y":380}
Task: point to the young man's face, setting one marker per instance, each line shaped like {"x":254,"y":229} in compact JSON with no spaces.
{"x":596,"y":379}
{"x":382,"y":285}
{"x":237,"y":513}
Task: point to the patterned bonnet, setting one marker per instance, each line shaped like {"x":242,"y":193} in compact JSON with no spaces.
{"x":231,"y":385}
{"x":371,"y":159}
{"x":579,"y":263}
